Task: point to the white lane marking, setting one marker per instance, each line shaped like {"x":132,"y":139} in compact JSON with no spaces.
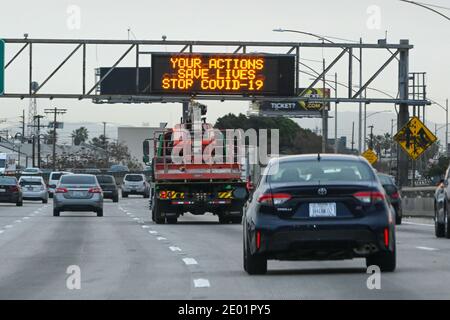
{"x":1,"y":231}
{"x":136,"y":219}
{"x":189,"y":261}
{"x":8,"y":226}
{"x":145,"y":227}
{"x":128,"y":213}
{"x":174,"y":249}
{"x":18,"y":221}
{"x":26,"y":218}
{"x":201,"y":283}
{"x":36,"y":212}
{"x":153,"y":232}
{"x":427,"y":248}
{"x":161,"y":238}
{"x":419,"y":224}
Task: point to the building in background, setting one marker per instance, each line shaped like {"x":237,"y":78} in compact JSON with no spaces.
{"x":133,"y":137}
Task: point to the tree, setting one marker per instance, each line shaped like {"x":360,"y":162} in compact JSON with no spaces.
{"x":293,"y":138}
{"x":49,"y":137}
{"x":101,"y":141}
{"x":80,"y":135}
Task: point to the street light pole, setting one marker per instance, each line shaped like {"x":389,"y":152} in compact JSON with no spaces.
{"x":446,"y":127}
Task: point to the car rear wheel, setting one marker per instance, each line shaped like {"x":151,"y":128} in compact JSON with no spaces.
{"x":223,"y":219}
{"x":116,"y":199}
{"x":19,"y":203}
{"x":385,"y":260}
{"x":100,"y":213}
{"x":50,"y":195}
{"x":56,"y":212}
{"x":44,"y":200}
{"x":398,"y":218}
{"x":446,"y":223}
{"x":439,"y":228}
{"x":124,"y":195}
{"x":254,"y":264}
{"x":146,"y":195}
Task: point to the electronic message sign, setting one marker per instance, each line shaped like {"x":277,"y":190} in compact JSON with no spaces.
{"x":223,"y":74}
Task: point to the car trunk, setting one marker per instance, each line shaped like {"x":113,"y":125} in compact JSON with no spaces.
{"x":311,"y":201}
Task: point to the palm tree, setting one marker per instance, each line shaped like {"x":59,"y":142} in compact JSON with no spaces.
{"x":80,"y":135}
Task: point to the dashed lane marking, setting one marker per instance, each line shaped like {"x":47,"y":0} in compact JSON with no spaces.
{"x":8,"y":226}
{"x":153,"y":232}
{"x":161,"y":238}
{"x":201,"y":283}
{"x":190,"y":261}
{"x":174,"y":249}
{"x":427,"y":248}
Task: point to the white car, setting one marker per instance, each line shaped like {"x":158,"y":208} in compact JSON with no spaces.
{"x":134,"y":183}
{"x":53,"y":180}
{"x":33,"y":188}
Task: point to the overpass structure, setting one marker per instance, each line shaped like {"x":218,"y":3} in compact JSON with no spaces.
{"x":347,"y":54}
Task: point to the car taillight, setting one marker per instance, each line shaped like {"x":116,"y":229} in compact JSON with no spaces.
{"x":95,"y":190}
{"x":369,"y":197}
{"x":386,"y":237}
{"x":61,"y":190}
{"x":15,"y":189}
{"x":274,"y":198}
{"x":395,"y":195}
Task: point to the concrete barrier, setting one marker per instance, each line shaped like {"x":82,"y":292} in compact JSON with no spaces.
{"x":418,"y":207}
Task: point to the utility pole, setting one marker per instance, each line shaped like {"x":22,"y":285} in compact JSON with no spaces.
{"x":360,"y":104}
{"x":353,"y":135}
{"x":324,"y":116}
{"x":23,"y":125}
{"x":336,"y":145}
{"x":39,"y":117}
{"x":371,"y":137}
{"x":105,"y":144}
{"x":55,"y":111}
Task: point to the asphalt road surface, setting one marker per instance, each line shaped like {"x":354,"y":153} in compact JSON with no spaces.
{"x":124,"y":255}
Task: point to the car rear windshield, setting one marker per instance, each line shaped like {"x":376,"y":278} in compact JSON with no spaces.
{"x":2,"y":163}
{"x":134,"y":177}
{"x":30,"y":182}
{"x":385,"y":180}
{"x":105,"y":179}
{"x":319,"y":171}
{"x":74,"y":179}
{"x":8,"y":181}
{"x":56,"y":175}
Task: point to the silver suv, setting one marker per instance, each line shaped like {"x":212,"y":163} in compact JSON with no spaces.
{"x":134,"y":183}
{"x":78,"y":192}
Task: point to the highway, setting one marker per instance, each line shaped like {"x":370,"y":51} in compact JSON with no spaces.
{"x":126,"y":256}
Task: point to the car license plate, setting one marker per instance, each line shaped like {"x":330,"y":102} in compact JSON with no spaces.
{"x":322,"y":210}
{"x":30,"y":188}
{"x":78,"y":194}
{"x":2,"y":190}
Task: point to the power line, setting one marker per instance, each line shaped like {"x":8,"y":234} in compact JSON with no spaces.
{"x":426,"y":7}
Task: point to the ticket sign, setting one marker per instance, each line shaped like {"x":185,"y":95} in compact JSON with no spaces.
{"x":223,"y":74}
{"x":2,"y":67}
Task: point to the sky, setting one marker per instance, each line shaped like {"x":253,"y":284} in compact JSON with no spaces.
{"x":235,"y":20}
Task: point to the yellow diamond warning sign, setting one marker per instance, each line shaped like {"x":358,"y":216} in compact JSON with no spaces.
{"x":415,"y":138}
{"x":370,"y":155}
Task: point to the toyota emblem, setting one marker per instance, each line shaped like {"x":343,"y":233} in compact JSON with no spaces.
{"x":322,"y":192}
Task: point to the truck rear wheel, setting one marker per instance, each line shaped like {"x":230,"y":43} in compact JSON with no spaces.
{"x":158,"y":218}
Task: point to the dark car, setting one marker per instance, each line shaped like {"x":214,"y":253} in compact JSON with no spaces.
{"x":109,"y":187}
{"x":118,"y":168}
{"x":393,"y":193}
{"x":10,"y":191}
{"x":441,"y":203}
{"x":318,"y":207}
